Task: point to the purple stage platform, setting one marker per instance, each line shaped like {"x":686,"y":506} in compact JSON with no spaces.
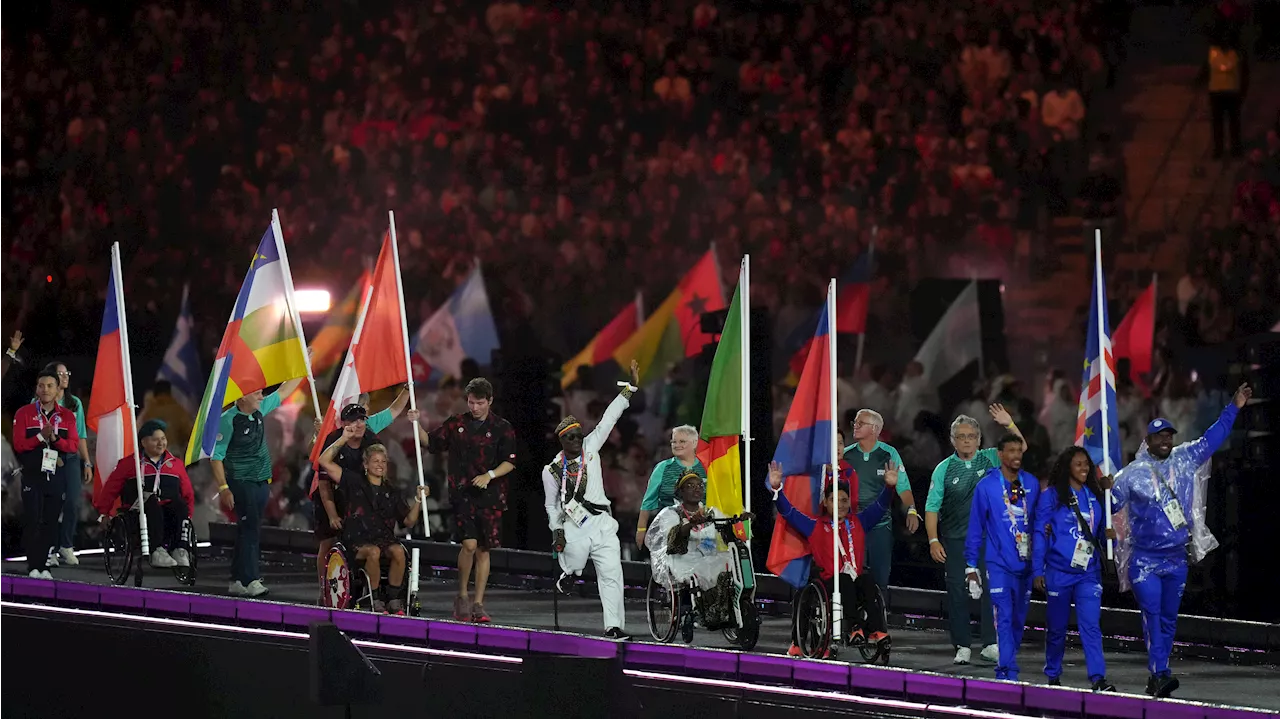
{"x":959,"y":694}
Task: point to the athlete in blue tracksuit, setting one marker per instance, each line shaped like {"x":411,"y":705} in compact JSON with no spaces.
{"x":1066,"y":561}
{"x":1158,"y":489}
{"x":1002,"y":515}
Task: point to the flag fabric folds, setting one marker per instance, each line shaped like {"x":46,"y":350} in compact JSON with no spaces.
{"x":376,"y":358}
{"x":803,"y":449}
{"x":181,"y":366}
{"x":955,"y":341}
{"x":674,"y":331}
{"x":108,"y":413}
{"x":261,"y":346}
{"x":1097,"y":381}
{"x":853,"y":301}
{"x":329,"y":345}
{"x":1134,"y":339}
{"x":605,"y":343}
{"x":462,"y":328}
{"x":722,"y":426}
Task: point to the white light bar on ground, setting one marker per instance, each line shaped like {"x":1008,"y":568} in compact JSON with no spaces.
{"x":313,"y":301}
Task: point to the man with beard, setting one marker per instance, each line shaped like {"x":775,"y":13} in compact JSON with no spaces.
{"x":1158,"y":489}
{"x":578,"y":511}
{"x":482,"y":450}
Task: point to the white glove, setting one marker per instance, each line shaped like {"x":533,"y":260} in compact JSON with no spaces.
{"x":975,"y":588}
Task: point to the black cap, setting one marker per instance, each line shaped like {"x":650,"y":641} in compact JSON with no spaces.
{"x":354,"y":412}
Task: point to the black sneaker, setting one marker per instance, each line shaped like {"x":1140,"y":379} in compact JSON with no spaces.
{"x":1055,"y":681}
{"x":1166,"y":686}
{"x":616,"y":633}
{"x":1152,"y":681}
{"x":1102,"y":685}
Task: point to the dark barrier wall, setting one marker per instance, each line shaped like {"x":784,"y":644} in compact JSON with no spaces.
{"x":124,"y":671}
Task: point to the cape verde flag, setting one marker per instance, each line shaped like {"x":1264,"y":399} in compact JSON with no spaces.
{"x":108,"y":413}
{"x":462,"y":328}
{"x":803,"y":450}
{"x":181,"y":366}
{"x":1097,"y":382}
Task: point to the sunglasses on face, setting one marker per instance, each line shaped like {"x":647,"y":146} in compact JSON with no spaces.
{"x":1017,"y":492}
{"x":571,"y":436}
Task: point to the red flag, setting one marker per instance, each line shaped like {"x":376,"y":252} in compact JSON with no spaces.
{"x":1134,"y":338}
{"x":376,"y":358}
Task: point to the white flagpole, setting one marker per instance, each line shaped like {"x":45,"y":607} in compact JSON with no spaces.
{"x":293,"y":309}
{"x":837,"y":610}
{"x":127,"y":364}
{"x":1100,"y":300}
{"x":744,"y":313}
{"x":414,"y":568}
{"x":862,"y":336}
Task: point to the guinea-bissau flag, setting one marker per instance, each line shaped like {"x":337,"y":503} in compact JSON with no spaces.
{"x":674,"y":331}
{"x":722,"y":417}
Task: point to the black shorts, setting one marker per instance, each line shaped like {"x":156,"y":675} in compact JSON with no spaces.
{"x":322,"y":529}
{"x":483,"y":524}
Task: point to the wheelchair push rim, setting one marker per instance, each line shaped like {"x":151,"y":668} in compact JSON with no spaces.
{"x":662,"y":610}
{"x":117,"y":551}
{"x":813,"y":621}
{"x":187,"y":575}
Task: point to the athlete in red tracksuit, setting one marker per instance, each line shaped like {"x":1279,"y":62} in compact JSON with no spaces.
{"x":857,"y":586}
{"x":41,"y":430}
{"x":172,"y":497}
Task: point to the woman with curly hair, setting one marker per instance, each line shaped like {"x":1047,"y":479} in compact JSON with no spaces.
{"x":1066,"y":561}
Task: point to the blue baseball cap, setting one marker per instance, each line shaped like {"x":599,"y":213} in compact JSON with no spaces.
{"x":1160,"y":424}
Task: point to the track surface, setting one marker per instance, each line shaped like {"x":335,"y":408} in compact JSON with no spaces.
{"x":929,"y":650}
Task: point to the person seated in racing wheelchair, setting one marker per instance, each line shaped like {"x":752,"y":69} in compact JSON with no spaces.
{"x":686,"y":549}
{"x":170,"y":497}
{"x":858,"y":589}
{"x":373,"y":509}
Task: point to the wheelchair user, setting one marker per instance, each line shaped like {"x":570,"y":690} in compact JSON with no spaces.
{"x":685,"y":548}
{"x":857,"y":586}
{"x":374,"y":507}
{"x":170,"y":498}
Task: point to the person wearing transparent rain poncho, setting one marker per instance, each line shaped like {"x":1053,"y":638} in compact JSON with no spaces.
{"x":684,"y":548}
{"x":1162,"y":493}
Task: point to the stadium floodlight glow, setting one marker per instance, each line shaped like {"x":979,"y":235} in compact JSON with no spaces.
{"x":313,"y":300}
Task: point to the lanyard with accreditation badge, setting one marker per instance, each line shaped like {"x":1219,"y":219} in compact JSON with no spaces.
{"x":1020,"y":536}
{"x":1172,"y":507}
{"x":572,"y":508}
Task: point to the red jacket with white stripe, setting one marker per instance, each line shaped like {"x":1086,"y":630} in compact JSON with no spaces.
{"x":169,"y":472}
{"x":29,"y":446}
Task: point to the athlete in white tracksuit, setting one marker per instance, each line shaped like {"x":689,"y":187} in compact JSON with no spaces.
{"x":578,"y":511}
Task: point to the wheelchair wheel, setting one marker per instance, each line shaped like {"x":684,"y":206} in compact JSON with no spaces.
{"x":415,"y":605}
{"x":118,"y":550}
{"x":663,"y":611}
{"x":746,"y":636}
{"x":811,"y":620}
{"x":187,"y":575}
{"x":337,"y":575}
{"x":875,"y":653}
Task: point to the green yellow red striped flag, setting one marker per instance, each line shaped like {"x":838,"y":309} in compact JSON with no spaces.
{"x":722,"y":416}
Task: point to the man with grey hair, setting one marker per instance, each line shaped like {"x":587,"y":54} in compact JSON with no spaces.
{"x":870,"y":458}
{"x":946,"y":519}
{"x":661,"y":491}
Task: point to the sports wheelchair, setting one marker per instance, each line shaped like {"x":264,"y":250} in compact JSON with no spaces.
{"x":671,"y":608}
{"x":812,"y":625}
{"x":122,"y":549}
{"x":346,"y":583}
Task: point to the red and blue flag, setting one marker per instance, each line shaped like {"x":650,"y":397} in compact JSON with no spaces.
{"x":108,"y":413}
{"x":803,"y":449}
{"x":1097,"y":383}
{"x":853,"y":299}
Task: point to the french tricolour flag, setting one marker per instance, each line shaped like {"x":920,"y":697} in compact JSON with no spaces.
{"x":110,"y":404}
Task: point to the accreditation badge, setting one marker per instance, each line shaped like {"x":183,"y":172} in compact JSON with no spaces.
{"x":1082,"y":554}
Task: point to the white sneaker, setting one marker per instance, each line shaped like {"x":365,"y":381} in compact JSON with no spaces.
{"x":991,"y":653}
{"x":68,"y":557}
{"x":160,"y":559}
{"x":46,"y":575}
{"x":52,"y":561}
{"x":256,"y":588}
{"x":963,"y":655}
{"x":36,"y":574}
{"x":181,"y":557}
{"x":236,"y":589}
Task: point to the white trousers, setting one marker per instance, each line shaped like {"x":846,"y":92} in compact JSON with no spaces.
{"x":597,"y":540}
